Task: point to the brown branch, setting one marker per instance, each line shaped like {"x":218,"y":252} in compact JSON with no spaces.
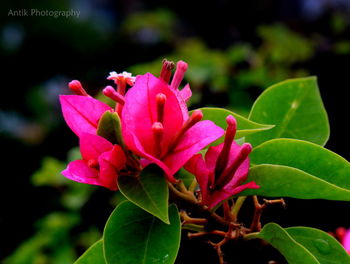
{"x":256,"y":224}
{"x":227,"y":211}
{"x":190,"y":198}
{"x":200,"y":234}
{"x":190,"y":220}
{"x":217,"y":247}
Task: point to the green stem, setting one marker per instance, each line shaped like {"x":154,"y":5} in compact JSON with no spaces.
{"x":193,"y":227}
{"x":182,"y":187}
{"x":237,"y":207}
{"x":193,"y":185}
{"x":191,"y":199}
{"x":251,"y":236}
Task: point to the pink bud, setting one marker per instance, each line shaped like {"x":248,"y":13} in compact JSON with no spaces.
{"x":110,"y":92}
{"x":157,"y":130}
{"x":77,"y":88}
{"x":190,"y":122}
{"x":160,"y":101}
{"x":340,"y":233}
{"x":167,"y":68}
{"x":222,"y":160}
{"x":181,"y":68}
{"x":196,"y":116}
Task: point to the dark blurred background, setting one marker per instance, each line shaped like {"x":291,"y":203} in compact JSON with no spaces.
{"x":235,"y":49}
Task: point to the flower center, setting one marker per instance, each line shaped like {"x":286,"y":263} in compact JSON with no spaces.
{"x":121,"y":80}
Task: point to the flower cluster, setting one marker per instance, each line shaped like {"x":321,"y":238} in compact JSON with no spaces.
{"x":156,"y":127}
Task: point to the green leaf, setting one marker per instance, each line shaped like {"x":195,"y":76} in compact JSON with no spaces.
{"x":306,"y":156}
{"x":134,"y":236}
{"x":283,"y":181}
{"x":244,"y":126}
{"x":148,"y":190}
{"x":109,"y":128}
{"x":295,"y":107}
{"x":324,"y":247}
{"x":294,"y":252}
{"x":93,"y":255}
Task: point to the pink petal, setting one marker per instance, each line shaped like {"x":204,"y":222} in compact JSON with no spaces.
{"x":82,"y":113}
{"x":212,"y":155}
{"x":346,"y":241}
{"x":226,"y":192}
{"x":110,"y":163}
{"x":195,"y":139}
{"x":186,"y":93}
{"x":145,"y":162}
{"x":139,"y":112}
{"x":138,"y":149}
{"x":182,"y":103}
{"x":92,"y":146}
{"x":79,"y":171}
{"x":198,"y":168}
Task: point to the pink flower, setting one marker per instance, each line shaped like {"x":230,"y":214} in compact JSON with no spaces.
{"x":100,"y":164}
{"x":121,"y":80}
{"x":343,"y":235}
{"x":346,"y":241}
{"x":156,"y":124}
{"x":124,"y":77}
{"x":224,"y":169}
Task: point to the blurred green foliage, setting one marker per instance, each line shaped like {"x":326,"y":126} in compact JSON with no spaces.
{"x":241,"y":66}
{"x":53,"y":241}
{"x":150,"y":27}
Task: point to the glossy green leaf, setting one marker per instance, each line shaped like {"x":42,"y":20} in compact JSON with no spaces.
{"x":109,"y":127}
{"x":244,"y":126}
{"x":93,"y":255}
{"x":295,"y":107}
{"x":306,"y":156}
{"x":294,"y":252}
{"x":134,"y":236}
{"x":148,"y":190}
{"x":324,"y":247}
{"x":283,"y":181}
